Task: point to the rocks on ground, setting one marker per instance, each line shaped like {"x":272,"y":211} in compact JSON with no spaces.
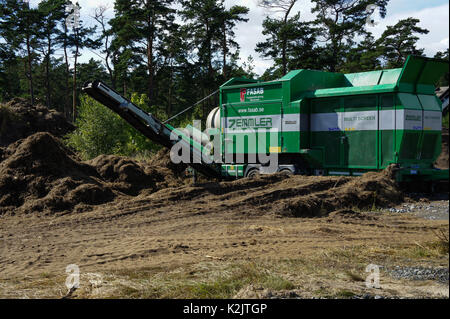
{"x":439,"y":274}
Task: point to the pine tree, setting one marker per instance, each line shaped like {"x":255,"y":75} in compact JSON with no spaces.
{"x":228,"y":19}
{"x":139,"y":28}
{"x":205,"y":37}
{"x":298,"y":40}
{"x":63,"y":39}
{"x":78,"y":38}
{"x":400,"y":40}
{"x":365,"y":56}
{"x":50,"y":13}
{"x":279,"y":31}
{"x":105,"y":37}
{"x":340,"y":22}
{"x":18,"y":26}
{"x":444,"y":81}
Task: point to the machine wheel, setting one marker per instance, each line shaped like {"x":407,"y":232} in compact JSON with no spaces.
{"x":252,"y":173}
{"x":286,"y":171}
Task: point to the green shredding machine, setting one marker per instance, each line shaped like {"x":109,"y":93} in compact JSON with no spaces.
{"x":315,"y":122}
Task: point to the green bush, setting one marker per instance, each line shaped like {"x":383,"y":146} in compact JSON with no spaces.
{"x":101,"y":131}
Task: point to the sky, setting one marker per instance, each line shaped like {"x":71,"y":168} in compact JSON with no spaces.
{"x":433,"y":15}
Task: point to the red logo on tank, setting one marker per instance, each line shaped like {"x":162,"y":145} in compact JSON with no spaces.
{"x":243,"y":92}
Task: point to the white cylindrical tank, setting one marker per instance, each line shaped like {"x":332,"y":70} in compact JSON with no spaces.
{"x":213,"y":119}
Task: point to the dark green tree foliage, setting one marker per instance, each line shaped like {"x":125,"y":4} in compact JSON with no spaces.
{"x":400,"y":40}
{"x":18,"y":27}
{"x":443,"y":55}
{"x":340,"y":22}
{"x":229,"y":18}
{"x":9,"y":69}
{"x":139,"y":36}
{"x":280,"y":31}
{"x":50,"y":13}
{"x":365,"y":56}
{"x":204,"y":32}
{"x":172,"y":80}
{"x":122,"y":45}
{"x":78,"y":38}
{"x":291,"y":45}
{"x":93,"y":69}
{"x":444,"y":81}
{"x":210,"y":30}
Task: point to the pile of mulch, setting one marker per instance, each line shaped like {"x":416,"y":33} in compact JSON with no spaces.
{"x":131,"y":177}
{"x":372,"y":190}
{"x":18,"y":120}
{"x":40,"y":174}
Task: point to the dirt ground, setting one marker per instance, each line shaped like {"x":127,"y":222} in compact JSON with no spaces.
{"x":185,"y":229}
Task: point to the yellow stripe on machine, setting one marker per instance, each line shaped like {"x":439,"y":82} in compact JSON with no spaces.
{"x":274,"y":149}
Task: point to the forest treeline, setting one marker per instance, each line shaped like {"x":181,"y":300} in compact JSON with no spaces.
{"x":178,"y":51}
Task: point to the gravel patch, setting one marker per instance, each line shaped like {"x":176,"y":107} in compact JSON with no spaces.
{"x":420,"y":273}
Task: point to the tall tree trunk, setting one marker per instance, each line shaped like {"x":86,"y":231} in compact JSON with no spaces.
{"x":208,"y":36}
{"x":169,"y":98}
{"x":335,"y":47}
{"x":284,"y":36}
{"x":100,"y":17}
{"x":225,"y":52}
{"x":29,"y":58}
{"x":47,"y":71}
{"x":210,"y":77}
{"x":283,"y":57}
{"x":66,"y":57}
{"x":150,"y":68}
{"x":30,"y":71}
{"x":74,"y":91}
{"x":334,"y":57}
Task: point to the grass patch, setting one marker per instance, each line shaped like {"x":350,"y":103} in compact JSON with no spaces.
{"x":430,"y":250}
{"x":224,"y":283}
{"x":435,"y":249}
{"x":344,"y":267}
{"x":441,"y":244}
{"x":46,"y":275}
{"x":345,"y":294}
